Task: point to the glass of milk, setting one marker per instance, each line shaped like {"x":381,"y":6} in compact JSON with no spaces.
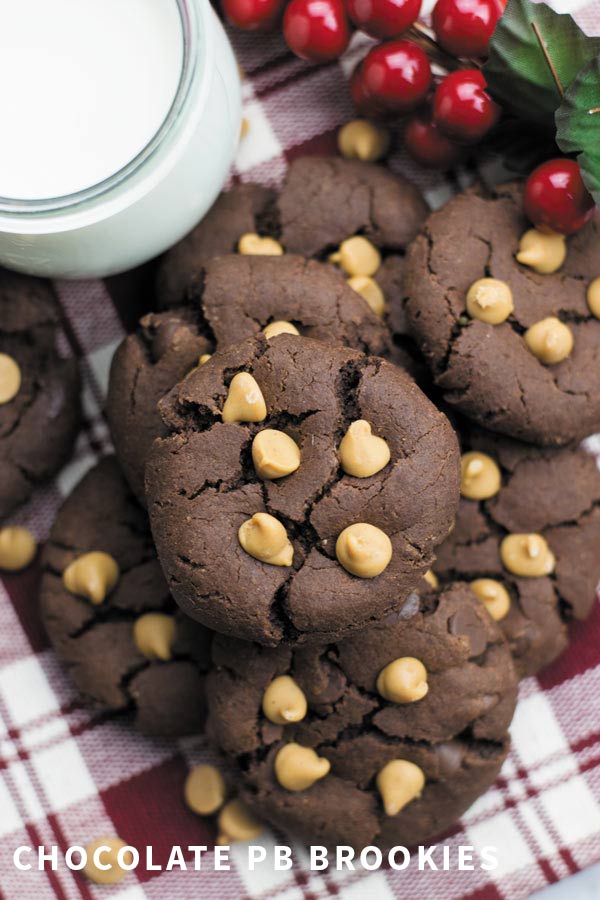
{"x":120,"y":119}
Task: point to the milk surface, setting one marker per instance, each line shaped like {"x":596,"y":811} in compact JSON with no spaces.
{"x":84,"y":86}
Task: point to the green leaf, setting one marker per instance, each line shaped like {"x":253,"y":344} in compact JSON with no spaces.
{"x":517,"y":72}
{"x":578,"y":125}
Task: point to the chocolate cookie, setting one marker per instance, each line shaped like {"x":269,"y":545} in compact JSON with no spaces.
{"x":236,"y":297}
{"x":535,"y":375}
{"x":534,"y":582}
{"x":383,"y":738}
{"x":110,"y":616}
{"x":301,"y":491}
{"x":243,"y":209}
{"x":39,"y":391}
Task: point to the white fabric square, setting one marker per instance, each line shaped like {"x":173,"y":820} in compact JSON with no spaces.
{"x":535,"y":731}
{"x":573,"y":810}
{"x":63,"y":774}
{"x":502,"y":833}
{"x":372,"y":887}
{"x":100,"y":360}
{"x":72,"y":473}
{"x":260,"y":142}
{"x":26,"y":691}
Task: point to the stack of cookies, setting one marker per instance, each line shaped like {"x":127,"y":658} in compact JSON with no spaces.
{"x":260,"y":557}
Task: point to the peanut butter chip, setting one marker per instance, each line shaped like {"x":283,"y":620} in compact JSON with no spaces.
{"x":593,"y":297}
{"x":480,"y":476}
{"x":274,"y":454}
{"x":298,"y":768}
{"x":357,"y":256}
{"x":490,"y":300}
{"x":204,"y":358}
{"x":204,"y":790}
{"x":432,"y":579}
{"x":17,"y":548}
{"x":527,"y":554}
{"x":544,"y":253}
{"x":265,"y":538}
{"x":10,"y":378}
{"x":403,"y":681}
{"x":399,"y":782}
{"x":254,"y":245}
{"x":283,"y":701}
{"x":280,"y":327}
{"x":363,"y":550}
{"x":493,"y":595}
{"x":370,"y":291}
{"x":237,"y":823}
{"x":550,"y":340}
{"x":154,"y":635}
{"x":362,"y":453}
{"x":93,"y":576}
{"x":108,"y":857}
{"x":245,"y":401}
{"x":364,"y":140}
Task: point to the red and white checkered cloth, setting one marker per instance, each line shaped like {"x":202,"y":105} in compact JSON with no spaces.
{"x":68,"y":775}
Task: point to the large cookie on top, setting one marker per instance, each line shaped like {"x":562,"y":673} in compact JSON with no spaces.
{"x":236,"y":297}
{"x":154,"y":669}
{"x":430,"y":690}
{"x":548,"y":500}
{"x":488,"y":371}
{"x":264,"y":429}
{"x":39,"y":391}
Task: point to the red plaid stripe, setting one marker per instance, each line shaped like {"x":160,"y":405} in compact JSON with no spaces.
{"x":68,"y":775}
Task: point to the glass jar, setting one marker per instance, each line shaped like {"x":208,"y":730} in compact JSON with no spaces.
{"x":159,"y":195}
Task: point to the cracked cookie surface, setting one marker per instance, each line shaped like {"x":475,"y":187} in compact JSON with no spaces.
{"x":96,"y":642}
{"x":551,"y":492}
{"x":323,"y":201}
{"x":236,"y":297}
{"x":456,"y":733}
{"x":202,"y":486}
{"x":39,"y":424}
{"x":485,"y":370}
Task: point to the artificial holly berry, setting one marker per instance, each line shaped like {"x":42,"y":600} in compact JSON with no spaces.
{"x":316,"y":30}
{"x":357,"y":90}
{"x":464,"y":27}
{"x":462,"y":108}
{"x":383,"y":18}
{"x":396,"y":76}
{"x":253,"y":15}
{"x":428,"y":145}
{"x":556,"y":199}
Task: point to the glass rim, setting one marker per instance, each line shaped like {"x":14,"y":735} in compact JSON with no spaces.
{"x":188,"y":14}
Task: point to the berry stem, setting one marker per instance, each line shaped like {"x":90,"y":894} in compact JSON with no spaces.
{"x":548,"y":59}
{"x":420,"y":36}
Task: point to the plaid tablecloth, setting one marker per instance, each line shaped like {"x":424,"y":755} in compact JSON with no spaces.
{"x":68,"y":775}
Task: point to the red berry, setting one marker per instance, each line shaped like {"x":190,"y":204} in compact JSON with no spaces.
{"x":253,"y":15}
{"x":383,"y":18}
{"x":357,"y":89}
{"x":427,"y":145}
{"x":556,"y":199}
{"x":462,"y":108}
{"x":396,"y":76}
{"x":316,"y":30}
{"x":464,"y":27}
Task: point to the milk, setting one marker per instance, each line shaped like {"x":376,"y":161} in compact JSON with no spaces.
{"x":88,"y":87}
